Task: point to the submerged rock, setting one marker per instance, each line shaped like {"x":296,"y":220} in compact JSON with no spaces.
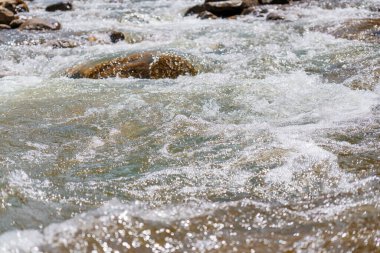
{"x":40,"y":24}
{"x":275,"y":16}
{"x":147,"y":65}
{"x":116,"y":36}
{"x":360,"y":29}
{"x":60,"y":6}
{"x":62,"y":44}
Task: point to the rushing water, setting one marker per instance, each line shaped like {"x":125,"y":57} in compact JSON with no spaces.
{"x":271,"y":148}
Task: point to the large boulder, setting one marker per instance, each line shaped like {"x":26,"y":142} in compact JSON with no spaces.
{"x":40,"y":24}
{"x":146,"y":65}
{"x":14,"y":6}
{"x":360,"y":29}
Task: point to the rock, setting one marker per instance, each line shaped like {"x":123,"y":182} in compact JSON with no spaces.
{"x":16,"y":23}
{"x":197,"y":9}
{"x":3,"y":26}
{"x":275,"y":1}
{"x":116,"y":36}
{"x":221,"y":8}
{"x":6,"y":16}
{"x":40,"y":24}
{"x":206,"y":15}
{"x":60,"y":6}
{"x":147,"y":65}
{"x":62,"y":44}
{"x":248,"y":11}
{"x":275,"y":16}
{"x":228,"y":8}
{"x":14,"y":6}
{"x":360,"y":29}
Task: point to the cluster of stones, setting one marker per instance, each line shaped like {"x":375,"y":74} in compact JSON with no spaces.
{"x":11,"y":10}
{"x":213,"y":9}
{"x":153,"y":64}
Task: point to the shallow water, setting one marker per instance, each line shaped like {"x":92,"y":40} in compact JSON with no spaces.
{"x":270,"y":148}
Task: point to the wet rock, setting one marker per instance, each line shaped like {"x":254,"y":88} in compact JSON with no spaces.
{"x":275,"y":1}
{"x":197,"y":9}
{"x":248,"y":11}
{"x":16,"y":23}
{"x":228,"y":8}
{"x":360,"y":29}
{"x":15,"y":6}
{"x":147,"y":65}
{"x":221,"y":8}
{"x":6,"y":16}
{"x":3,"y":26}
{"x":206,"y":15}
{"x":116,"y":36}
{"x":62,"y":44}
{"x":275,"y":16}
{"x":40,"y":24}
{"x":60,"y":6}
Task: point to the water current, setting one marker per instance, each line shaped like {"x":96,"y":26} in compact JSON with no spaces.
{"x":270,"y":148}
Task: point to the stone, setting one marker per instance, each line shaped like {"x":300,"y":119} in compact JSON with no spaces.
{"x":15,"y":6}
{"x":197,"y":9}
{"x":116,"y":36}
{"x":6,"y":16}
{"x":40,"y":24}
{"x":275,"y":16}
{"x":275,"y":1}
{"x":206,"y":15}
{"x":221,"y":8}
{"x":146,"y":65}
{"x":60,"y":6}
{"x":3,"y":26}
{"x":62,"y":44}
{"x":360,"y":29}
{"x":228,"y":8}
{"x":16,"y":23}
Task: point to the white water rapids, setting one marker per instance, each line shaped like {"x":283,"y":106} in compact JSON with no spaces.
{"x":270,"y":148}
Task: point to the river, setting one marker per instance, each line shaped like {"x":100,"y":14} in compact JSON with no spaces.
{"x":270,"y":148}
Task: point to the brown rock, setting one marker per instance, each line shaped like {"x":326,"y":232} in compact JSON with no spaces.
{"x":16,"y":23}
{"x":40,"y":24}
{"x":360,"y":29}
{"x":147,"y":65}
{"x":14,"y":6}
{"x":60,"y":6}
{"x":6,"y":16}
{"x":3,"y":26}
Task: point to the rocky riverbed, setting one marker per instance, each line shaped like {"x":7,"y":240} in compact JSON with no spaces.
{"x":189,"y":126}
